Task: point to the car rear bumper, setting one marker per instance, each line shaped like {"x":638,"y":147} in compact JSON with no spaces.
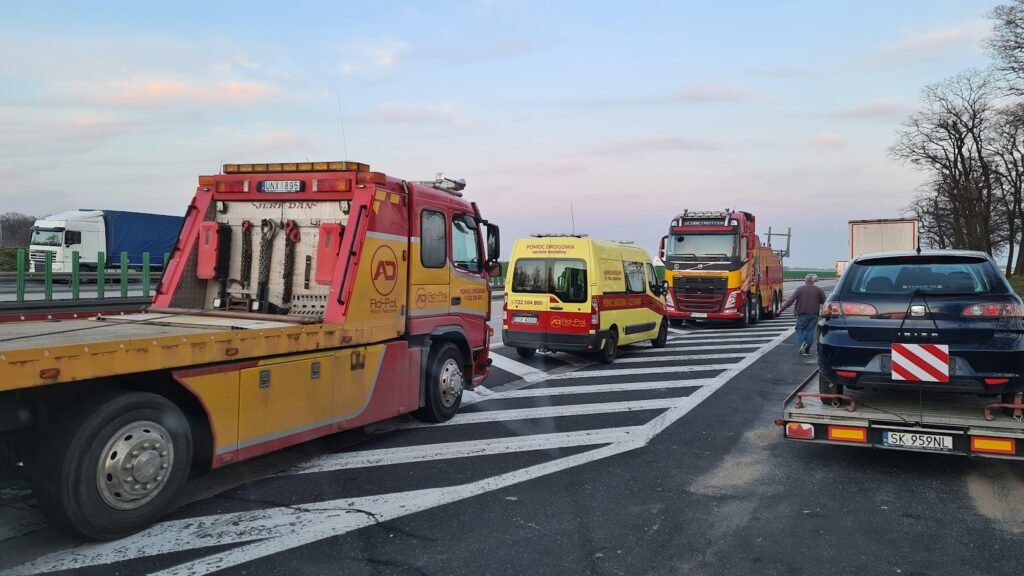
{"x":554,"y":340}
{"x":972,"y":369}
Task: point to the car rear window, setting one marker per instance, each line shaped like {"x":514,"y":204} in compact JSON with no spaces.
{"x":566,"y":279}
{"x":920,"y":274}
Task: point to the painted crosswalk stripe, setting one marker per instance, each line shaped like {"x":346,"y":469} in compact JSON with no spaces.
{"x":594,"y":388}
{"x":682,"y":350}
{"x":717,"y":340}
{"x":551,"y":412}
{"x":775,"y":328}
{"x":761,"y":333}
{"x":634,"y":371}
{"x":676,"y":357}
{"x":528,"y":373}
{"x":466,"y":449}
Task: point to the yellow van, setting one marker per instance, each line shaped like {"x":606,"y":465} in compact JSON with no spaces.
{"x":575,"y":294}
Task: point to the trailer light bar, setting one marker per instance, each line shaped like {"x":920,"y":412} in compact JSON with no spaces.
{"x":799,"y":431}
{"x":848,"y":434}
{"x":990,"y":445}
{"x":330,"y":185}
{"x":296,"y":167}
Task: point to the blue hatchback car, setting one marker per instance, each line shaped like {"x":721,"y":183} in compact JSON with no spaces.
{"x":936,"y":320}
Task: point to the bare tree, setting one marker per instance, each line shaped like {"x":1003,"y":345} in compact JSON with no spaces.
{"x":15,"y":229}
{"x":945,"y":138}
{"x":1005,"y":143}
{"x":1006,"y":45}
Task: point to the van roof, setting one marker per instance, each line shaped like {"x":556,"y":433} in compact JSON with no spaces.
{"x":633,"y":251}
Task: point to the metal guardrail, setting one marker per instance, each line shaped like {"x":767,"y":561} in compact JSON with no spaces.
{"x":122,"y":277}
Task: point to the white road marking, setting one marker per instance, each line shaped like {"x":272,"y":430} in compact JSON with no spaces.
{"x":632,"y":371}
{"x":443,"y":451}
{"x":275,"y":530}
{"x":715,"y":340}
{"x":528,"y":373}
{"x":681,"y":351}
{"x":549,"y":412}
{"x":635,"y":360}
{"x":699,"y":334}
{"x":589,"y":389}
{"x":719,"y":331}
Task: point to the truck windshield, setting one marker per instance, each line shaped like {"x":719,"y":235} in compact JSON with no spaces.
{"x":703,"y":246}
{"x":566,"y":279}
{"x":47,"y":237}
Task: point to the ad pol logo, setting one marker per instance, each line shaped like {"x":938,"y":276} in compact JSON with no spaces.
{"x":384,"y":266}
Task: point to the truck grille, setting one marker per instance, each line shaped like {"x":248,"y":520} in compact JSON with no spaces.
{"x":37,"y":256}
{"x":700,"y":293}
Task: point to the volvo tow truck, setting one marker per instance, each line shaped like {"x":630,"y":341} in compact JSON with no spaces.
{"x":718,"y":270}
{"x":300,"y":299}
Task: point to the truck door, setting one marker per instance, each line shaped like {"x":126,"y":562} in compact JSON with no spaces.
{"x":430,"y":272}
{"x":469,"y":295}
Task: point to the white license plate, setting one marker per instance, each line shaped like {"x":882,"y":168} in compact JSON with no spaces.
{"x":913,"y":440}
{"x":524,"y":319}
{"x":281,"y":186}
{"x":698,"y":314}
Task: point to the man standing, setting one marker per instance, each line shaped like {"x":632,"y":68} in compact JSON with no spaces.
{"x":809,"y":299}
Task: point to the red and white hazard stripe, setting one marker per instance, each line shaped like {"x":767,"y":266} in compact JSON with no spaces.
{"x":920,"y":362}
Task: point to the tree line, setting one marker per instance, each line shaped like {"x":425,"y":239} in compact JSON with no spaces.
{"x":967,"y":136}
{"x":16,"y":229}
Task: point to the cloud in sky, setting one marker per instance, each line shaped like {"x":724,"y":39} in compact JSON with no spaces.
{"x":658,"y":144}
{"x":161,"y":90}
{"x":421,"y":114}
{"x":938,"y":40}
{"x":692,"y":94}
{"x":370,"y":58}
{"x":827,"y":141}
{"x":882,"y":110}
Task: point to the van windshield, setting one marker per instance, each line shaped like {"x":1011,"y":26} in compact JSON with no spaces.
{"x":566,"y":279}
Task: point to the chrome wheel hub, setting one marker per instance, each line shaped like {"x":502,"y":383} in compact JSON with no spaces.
{"x":134,"y":465}
{"x":451,"y":383}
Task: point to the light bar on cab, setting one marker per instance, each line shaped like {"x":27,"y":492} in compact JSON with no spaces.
{"x":296,"y":167}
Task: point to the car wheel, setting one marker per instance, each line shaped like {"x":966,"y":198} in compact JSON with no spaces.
{"x":662,"y":338}
{"x":445,"y":382}
{"x":113,"y":465}
{"x":526,"y":352}
{"x":826,"y":386}
{"x":611,"y":347}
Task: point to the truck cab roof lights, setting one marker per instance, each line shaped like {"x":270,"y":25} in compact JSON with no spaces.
{"x":557,"y":235}
{"x":296,"y":167}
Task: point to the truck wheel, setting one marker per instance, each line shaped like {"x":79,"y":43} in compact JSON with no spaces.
{"x":526,"y":352}
{"x":745,"y":320}
{"x":756,"y":312}
{"x":113,"y":465}
{"x":445,"y":382}
{"x":662,"y":339}
{"x":826,"y":386}
{"x":610,"y":350}
{"x":770,"y":312}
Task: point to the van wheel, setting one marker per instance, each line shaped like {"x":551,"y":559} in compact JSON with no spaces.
{"x":662,"y":339}
{"x":445,"y":382}
{"x":526,"y":352}
{"x":611,"y":347}
{"x":113,"y":465}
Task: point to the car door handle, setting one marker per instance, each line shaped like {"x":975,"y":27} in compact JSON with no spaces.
{"x":556,"y":307}
{"x":456,"y":301}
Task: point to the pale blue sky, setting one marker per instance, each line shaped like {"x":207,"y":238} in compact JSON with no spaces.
{"x":629,"y":111}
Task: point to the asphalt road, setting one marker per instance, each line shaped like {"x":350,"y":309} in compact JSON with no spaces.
{"x":667,"y":462}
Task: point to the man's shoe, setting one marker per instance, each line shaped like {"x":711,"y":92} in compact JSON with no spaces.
{"x":805,"y":353}
{"x":803,"y":349}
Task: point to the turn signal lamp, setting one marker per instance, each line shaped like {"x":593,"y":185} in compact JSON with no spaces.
{"x":296,"y":167}
{"x":799,"y":431}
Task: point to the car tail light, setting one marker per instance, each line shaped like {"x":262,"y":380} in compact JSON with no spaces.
{"x":840,"y":309}
{"x":846,"y":373}
{"x":994,"y":310}
{"x":799,"y":431}
{"x":996,"y":381}
{"x":595,"y":313}
{"x":504,"y":308}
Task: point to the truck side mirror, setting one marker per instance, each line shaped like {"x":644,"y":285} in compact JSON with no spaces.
{"x":661,"y":248}
{"x":493,"y":268}
{"x":493,"y":242}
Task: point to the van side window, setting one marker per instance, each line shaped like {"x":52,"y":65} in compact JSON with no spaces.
{"x":433,"y":239}
{"x":634,"y":277}
{"x":652,"y":276}
{"x":465,"y":247}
